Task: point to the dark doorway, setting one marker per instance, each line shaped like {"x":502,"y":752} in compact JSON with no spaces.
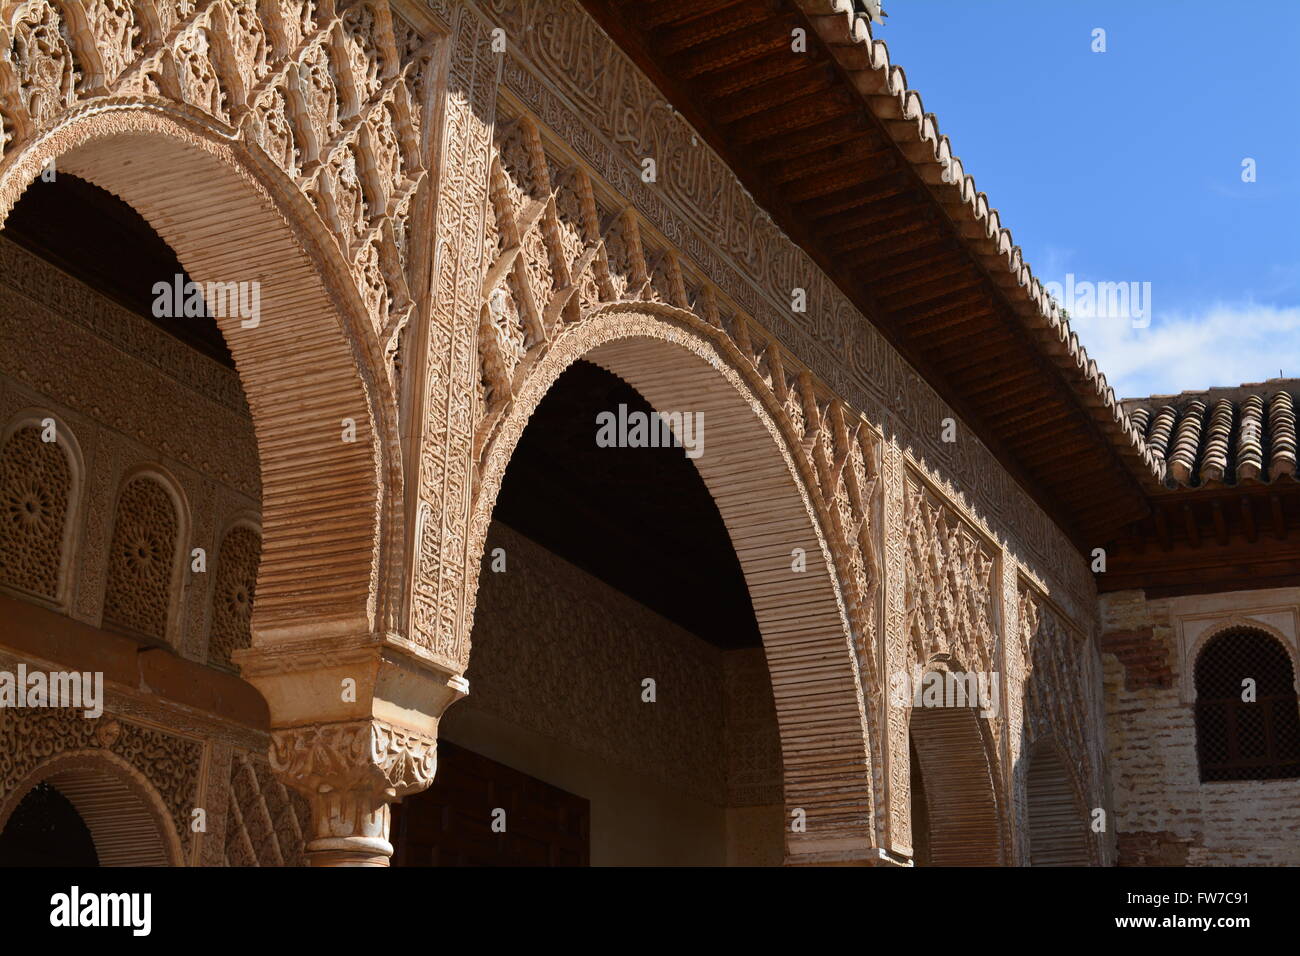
{"x":46,"y":830}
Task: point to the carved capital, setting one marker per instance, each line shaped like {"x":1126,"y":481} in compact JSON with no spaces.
{"x":350,"y":772}
{"x":357,"y":755}
{"x":354,"y":728}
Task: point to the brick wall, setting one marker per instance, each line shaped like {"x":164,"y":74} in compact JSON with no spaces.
{"x":1163,"y":815}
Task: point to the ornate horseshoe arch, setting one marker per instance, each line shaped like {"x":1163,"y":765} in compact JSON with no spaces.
{"x":227,"y":225}
{"x":283,"y":144}
{"x":761,"y":488}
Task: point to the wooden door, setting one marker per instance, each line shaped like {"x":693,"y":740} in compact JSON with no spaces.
{"x":450,"y":824}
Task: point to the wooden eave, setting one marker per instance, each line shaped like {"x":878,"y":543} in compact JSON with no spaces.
{"x":843,"y":157}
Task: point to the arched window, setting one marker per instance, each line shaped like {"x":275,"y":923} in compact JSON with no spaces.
{"x":86,"y":809}
{"x":141,"y":560}
{"x":35,"y":495}
{"x":956,"y":818}
{"x":1241,"y":735}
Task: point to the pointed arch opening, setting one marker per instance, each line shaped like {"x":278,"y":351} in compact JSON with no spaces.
{"x":296,"y":328}
{"x":680,"y":365}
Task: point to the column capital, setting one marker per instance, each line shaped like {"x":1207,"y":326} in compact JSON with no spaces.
{"x":350,"y":772}
{"x":354,"y":727}
{"x":361,"y":754}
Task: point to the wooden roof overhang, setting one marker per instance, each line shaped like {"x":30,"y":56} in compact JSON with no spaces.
{"x":840,"y":152}
{"x":1225,"y":514}
{"x":1202,"y":540}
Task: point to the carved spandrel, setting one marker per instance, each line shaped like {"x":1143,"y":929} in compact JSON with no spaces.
{"x":331,"y":98}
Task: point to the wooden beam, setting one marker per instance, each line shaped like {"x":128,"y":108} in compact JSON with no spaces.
{"x":788,"y":119}
{"x":1162,"y":527}
{"x":809,"y":141}
{"x":716,"y":85}
{"x":859,"y":151}
{"x":862,"y":217}
{"x":734,"y":50}
{"x":780,"y":89}
{"x":930,"y":291}
{"x":658,"y":13}
{"x":844,"y":187}
{"x":1193,"y":528}
{"x":1220,"y":523}
{"x":673,"y":39}
{"x":1248,"y":517}
{"x":900,"y":224}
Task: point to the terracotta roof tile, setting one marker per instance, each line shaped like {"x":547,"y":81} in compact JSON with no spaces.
{"x":1221,"y":436}
{"x":1218,"y":442}
{"x":1281,"y":424}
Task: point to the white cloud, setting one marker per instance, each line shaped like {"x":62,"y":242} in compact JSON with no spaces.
{"x":1226,"y":344}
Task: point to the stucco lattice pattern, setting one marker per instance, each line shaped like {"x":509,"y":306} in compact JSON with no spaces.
{"x":35,"y":489}
{"x":949,"y":585}
{"x":561,"y":244}
{"x":343,"y":120}
{"x":140,"y":560}
{"x":265,"y":821}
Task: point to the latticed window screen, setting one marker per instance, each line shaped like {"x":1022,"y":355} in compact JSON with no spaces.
{"x":1246,"y":740}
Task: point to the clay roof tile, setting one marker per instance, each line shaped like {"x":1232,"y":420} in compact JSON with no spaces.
{"x":1221,"y":435}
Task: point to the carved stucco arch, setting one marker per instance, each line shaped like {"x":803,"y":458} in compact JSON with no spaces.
{"x":963,"y":786}
{"x":1236,"y":622}
{"x":680,"y":363}
{"x":331,"y":509}
{"x":127,"y":818}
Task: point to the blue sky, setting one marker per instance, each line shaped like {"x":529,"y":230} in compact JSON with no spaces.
{"x":1126,"y":166}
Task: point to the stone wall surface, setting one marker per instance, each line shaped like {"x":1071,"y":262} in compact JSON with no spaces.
{"x":564,"y":655}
